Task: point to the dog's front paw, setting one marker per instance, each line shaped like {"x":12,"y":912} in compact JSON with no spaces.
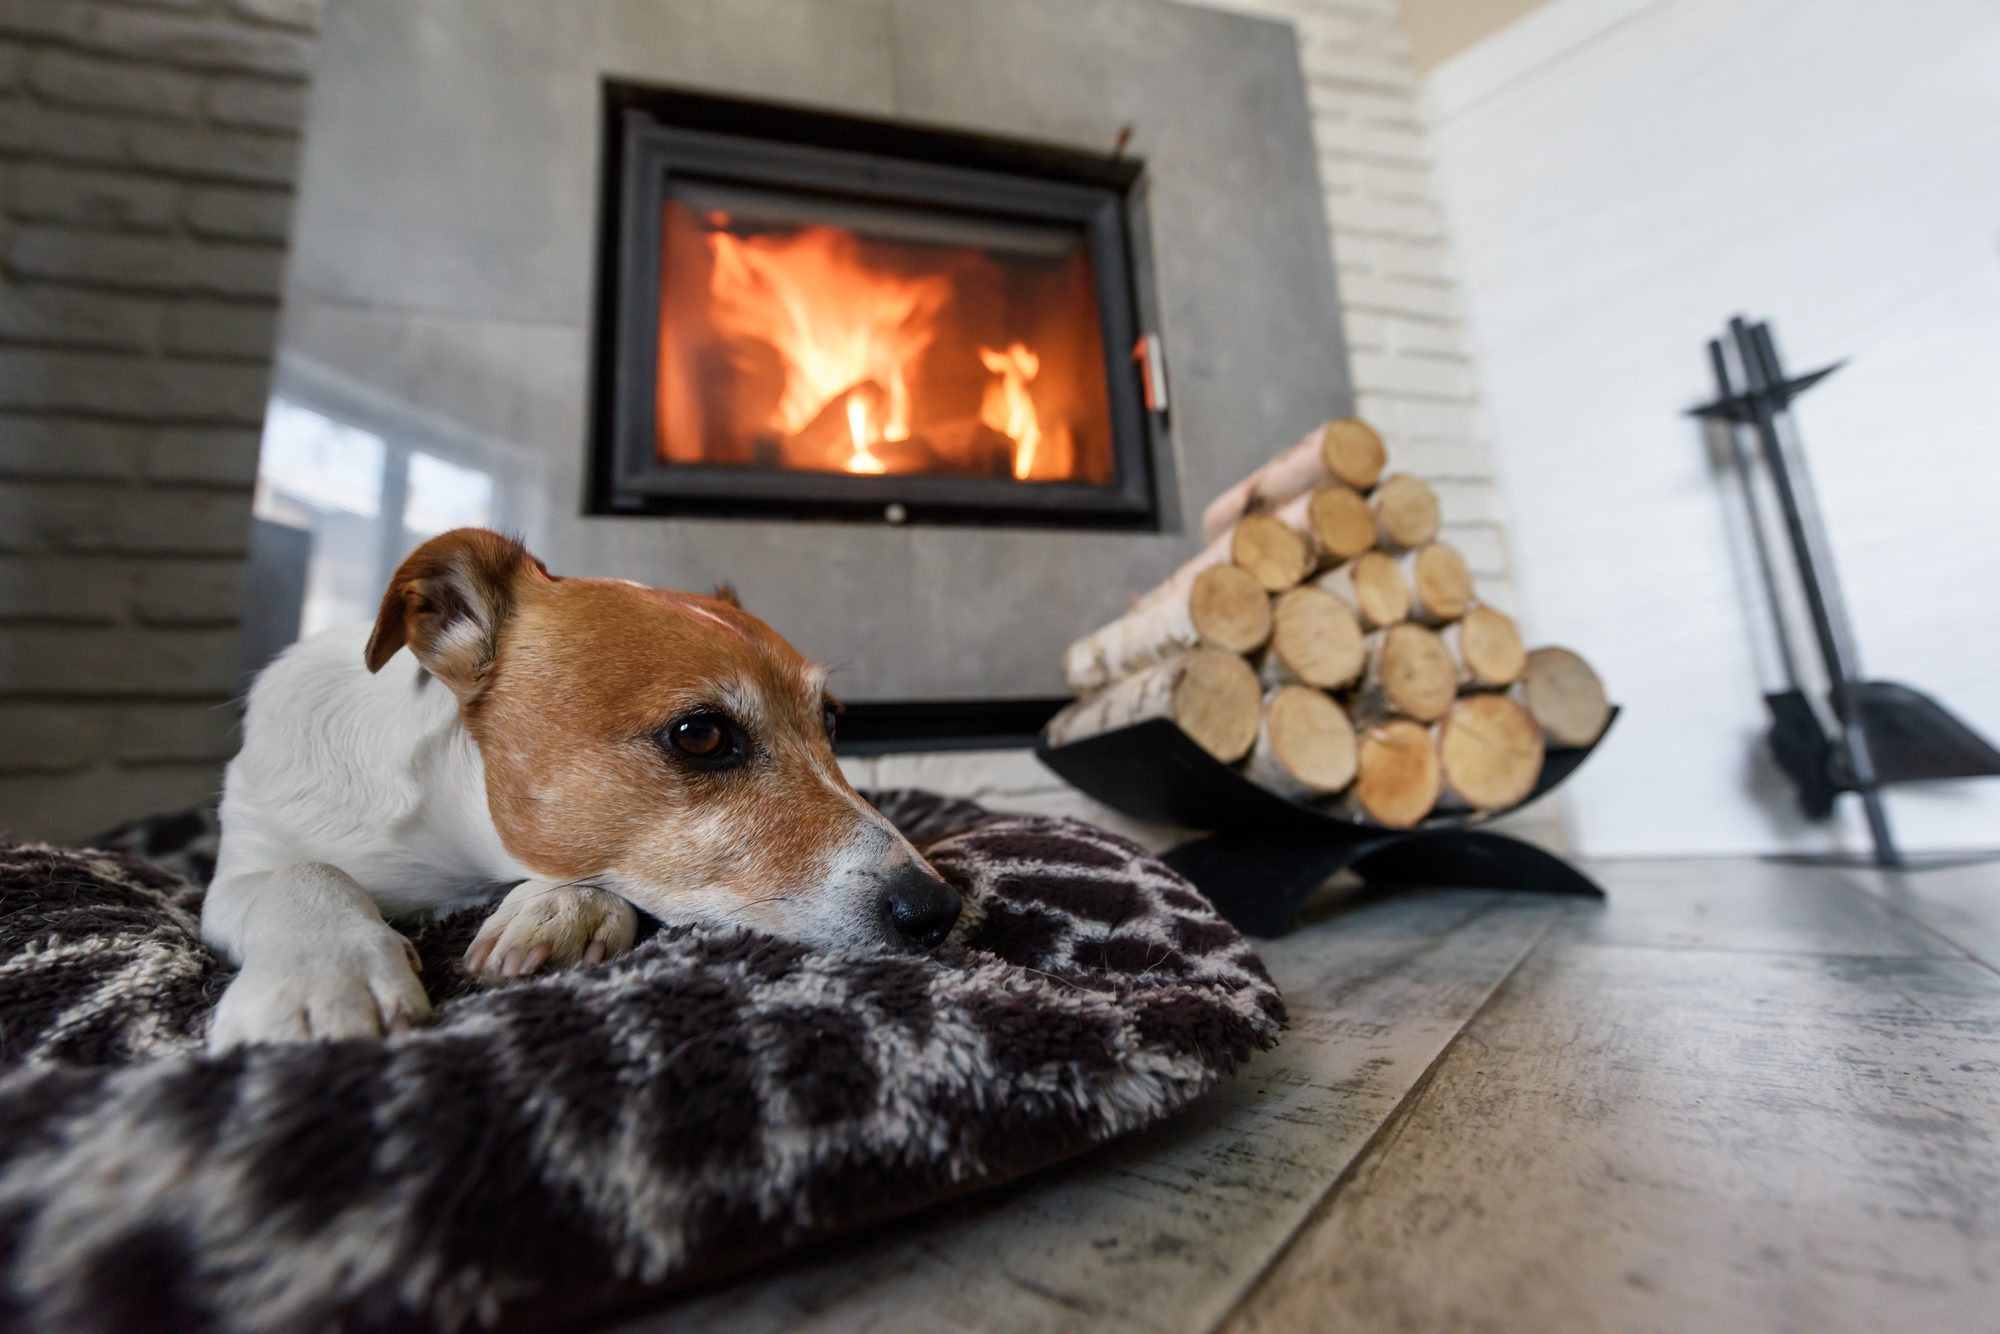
{"x":361,"y":984}
{"x":551,"y":921}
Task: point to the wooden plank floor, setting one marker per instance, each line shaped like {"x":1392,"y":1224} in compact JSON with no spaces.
{"x":1738,"y":1096}
{"x":1165,"y":1231}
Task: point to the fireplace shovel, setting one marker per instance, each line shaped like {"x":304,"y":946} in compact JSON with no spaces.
{"x":1888,"y":733}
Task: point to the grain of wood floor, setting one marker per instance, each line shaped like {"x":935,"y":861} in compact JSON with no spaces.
{"x":1736,"y":1096}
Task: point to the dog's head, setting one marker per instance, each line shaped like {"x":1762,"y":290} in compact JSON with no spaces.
{"x":667,"y":746}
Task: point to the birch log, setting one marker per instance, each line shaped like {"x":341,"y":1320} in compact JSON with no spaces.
{"x":1440,"y":584}
{"x":1315,"y":641}
{"x":1371,"y":586}
{"x":1272,"y":554}
{"x":1564,"y":696}
{"x":1406,"y":512}
{"x":1209,"y":694}
{"x":1486,"y":649}
{"x":1346,"y":451}
{"x":1397,"y":775}
{"x":1335,"y":522}
{"x":1409,"y":673}
{"x":1224,"y":608}
{"x":1305,"y":745}
{"x":1491,"y":752}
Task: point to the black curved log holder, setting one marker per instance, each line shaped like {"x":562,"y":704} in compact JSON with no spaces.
{"x":1269,"y":853}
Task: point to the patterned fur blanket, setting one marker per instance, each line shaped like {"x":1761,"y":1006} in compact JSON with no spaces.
{"x":554,"y":1149}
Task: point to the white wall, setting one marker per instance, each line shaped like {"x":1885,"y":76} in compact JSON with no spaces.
{"x":1619,"y":177}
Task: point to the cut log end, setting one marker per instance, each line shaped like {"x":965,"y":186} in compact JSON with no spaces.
{"x":1347,"y":452}
{"x":1406,"y":512}
{"x":1341,"y":522}
{"x":1353,"y":452}
{"x":1211,"y":695}
{"x":1305,"y":745}
{"x":1217,"y":702}
{"x":1274,"y":555}
{"x":1414,"y":672}
{"x":1317,"y":639}
{"x":1397,"y":774}
{"x":1440,"y":583}
{"x":1372,"y":587}
{"x":1491,"y":752}
{"x":1230,"y":609}
{"x":1488,"y":649}
{"x":1565,"y":697}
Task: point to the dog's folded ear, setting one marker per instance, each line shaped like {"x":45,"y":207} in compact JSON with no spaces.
{"x":448,"y":600}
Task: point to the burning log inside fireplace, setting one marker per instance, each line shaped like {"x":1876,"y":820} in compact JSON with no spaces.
{"x":1391,"y":724}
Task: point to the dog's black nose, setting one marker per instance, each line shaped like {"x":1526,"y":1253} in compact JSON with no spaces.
{"x":920,"y":907}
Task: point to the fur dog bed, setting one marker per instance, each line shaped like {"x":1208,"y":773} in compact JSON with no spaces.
{"x":553,"y":1148}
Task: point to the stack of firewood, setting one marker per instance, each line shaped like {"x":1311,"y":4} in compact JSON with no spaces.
{"x":1328,"y":642}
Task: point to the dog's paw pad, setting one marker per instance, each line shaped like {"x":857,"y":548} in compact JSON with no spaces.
{"x":550,"y":924}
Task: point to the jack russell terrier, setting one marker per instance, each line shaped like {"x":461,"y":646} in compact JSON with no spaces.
{"x":602,"y":744}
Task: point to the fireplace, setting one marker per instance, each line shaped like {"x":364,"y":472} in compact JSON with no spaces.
{"x":821,"y":316}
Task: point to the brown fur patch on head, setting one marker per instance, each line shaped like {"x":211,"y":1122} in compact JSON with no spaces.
{"x":448,"y":602}
{"x":589,"y":674}
{"x":726,"y":595}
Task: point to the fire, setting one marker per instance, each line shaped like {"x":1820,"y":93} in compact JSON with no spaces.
{"x":857,"y":431}
{"x":1009,"y":410}
{"x":827,"y":348}
{"x":844,"y":331}
{"x":836,"y":325}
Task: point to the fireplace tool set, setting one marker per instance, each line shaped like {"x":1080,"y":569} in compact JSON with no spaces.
{"x":1882,"y":732}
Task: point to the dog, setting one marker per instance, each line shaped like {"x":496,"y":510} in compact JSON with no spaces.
{"x":596,"y":744}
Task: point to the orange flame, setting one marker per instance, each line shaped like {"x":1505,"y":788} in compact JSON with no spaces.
{"x":857,"y":430}
{"x":835,"y":325}
{"x":1009,"y":410}
{"x":848,"y":340}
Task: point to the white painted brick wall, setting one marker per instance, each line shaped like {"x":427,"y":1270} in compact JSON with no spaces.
{"x":1407,"y":347}
{"x":147,"y":157}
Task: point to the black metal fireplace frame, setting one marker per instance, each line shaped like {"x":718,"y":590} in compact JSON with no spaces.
{"x":653,"y":136}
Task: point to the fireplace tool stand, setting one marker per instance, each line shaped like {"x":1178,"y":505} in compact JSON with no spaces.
{"x":1884,"y":732}
{"x":1274,"y":852}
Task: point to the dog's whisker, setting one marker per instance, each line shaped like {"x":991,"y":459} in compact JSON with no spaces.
{"x":772,"y":898}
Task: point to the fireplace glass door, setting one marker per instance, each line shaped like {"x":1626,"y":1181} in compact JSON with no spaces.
{"x":810,"y":330}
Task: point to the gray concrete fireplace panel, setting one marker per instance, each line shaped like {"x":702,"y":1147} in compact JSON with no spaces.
{"x":446,"y":248}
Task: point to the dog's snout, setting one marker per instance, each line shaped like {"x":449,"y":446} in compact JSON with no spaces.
{"x":920,"y":908}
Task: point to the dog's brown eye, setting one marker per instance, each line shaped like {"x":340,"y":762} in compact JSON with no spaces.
{"x":701,"y":735}
{"x":705,"y":740}
{"x":830,"y":715}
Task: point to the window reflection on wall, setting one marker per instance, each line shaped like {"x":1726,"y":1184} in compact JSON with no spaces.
{"x":337,"y":509}
{"x":326,"y":478}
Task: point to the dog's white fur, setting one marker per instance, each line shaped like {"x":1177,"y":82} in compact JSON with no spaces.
{"x":357,"y":795}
